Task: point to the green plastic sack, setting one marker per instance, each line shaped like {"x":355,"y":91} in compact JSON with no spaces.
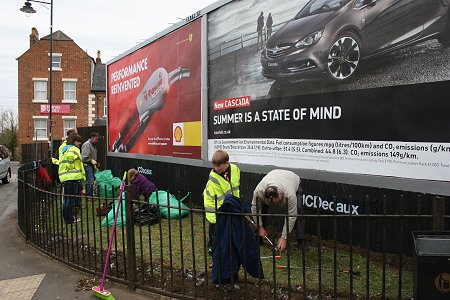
{"x":175,"y":213}
{"x":109,"y":188}
{"x":102,"y":176}
{"x":121,"y":218}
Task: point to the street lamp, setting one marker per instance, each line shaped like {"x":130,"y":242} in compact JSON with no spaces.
{"x":28,"y":9}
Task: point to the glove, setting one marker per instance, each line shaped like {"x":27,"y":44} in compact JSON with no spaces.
{"x":93,"y":162}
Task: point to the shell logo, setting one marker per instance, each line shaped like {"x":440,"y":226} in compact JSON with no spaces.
{"x":178,"y":134}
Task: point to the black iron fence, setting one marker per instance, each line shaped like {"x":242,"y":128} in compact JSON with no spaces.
{"x":343,"y":255}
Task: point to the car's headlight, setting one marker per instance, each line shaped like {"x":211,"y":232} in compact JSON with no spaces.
{"x":309,"y":40}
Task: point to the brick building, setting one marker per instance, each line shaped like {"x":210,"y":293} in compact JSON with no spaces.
{"x":78,"y":88}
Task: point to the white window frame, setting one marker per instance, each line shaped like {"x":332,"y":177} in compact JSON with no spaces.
{"x":56,"y":68}
{"x":68,"y":118}
{"x":45,"y":136}
{"x":105,"y":106}
{"x":64,"y":100}
{"x":34,"y":90}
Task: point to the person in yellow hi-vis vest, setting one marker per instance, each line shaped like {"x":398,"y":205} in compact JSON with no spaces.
{"x":71,"y":174}
{"x":223,"y":179}
{"x":70,"y":131}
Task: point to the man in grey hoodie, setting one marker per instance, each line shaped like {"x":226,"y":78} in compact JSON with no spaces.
{"x":89,"y":156}
{"x":279,"y":187}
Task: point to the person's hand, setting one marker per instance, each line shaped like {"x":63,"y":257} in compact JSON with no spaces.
{"x":262,"y":232}
{"x":94,"y":162}
{"x":282,"y":242}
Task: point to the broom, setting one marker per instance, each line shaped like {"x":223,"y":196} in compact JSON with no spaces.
{"x":99,"y":291}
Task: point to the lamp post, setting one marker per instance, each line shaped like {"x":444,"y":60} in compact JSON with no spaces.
{"x":28,"y":9}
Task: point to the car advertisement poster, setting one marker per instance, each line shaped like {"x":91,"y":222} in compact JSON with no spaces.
{"x":347,"y":86}
{"x":154,"y":97}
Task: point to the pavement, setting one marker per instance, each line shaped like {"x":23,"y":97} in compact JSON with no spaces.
{"x":26,"y":273}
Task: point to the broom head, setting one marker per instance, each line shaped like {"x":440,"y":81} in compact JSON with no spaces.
{"x":101,"y":294}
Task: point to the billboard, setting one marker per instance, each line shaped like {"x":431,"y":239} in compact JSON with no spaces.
{"x":154,"y":97}
{"x":346,"y":86}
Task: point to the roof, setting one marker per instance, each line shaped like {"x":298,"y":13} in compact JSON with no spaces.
{"x":99,"y":78}
{"x":58,"y":36}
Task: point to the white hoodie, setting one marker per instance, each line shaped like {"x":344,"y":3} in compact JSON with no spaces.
{"x":287,"y":182}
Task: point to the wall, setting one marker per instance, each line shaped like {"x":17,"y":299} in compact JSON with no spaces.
{"x":34,"y":63}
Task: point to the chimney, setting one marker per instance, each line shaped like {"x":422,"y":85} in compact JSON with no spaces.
{"x":98,"y":60}
{"x":34,"y":36}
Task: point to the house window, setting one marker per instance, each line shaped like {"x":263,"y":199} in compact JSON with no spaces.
{"x":105,"y":107}
{"x":56,"y":62}
{"x":40,"y":90}
{"x":70,"y":90}
{"x":40,"y":128}
{"x":69,"y":122}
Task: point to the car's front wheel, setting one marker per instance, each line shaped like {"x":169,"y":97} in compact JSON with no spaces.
{"x":7,"y":178}
{"x":344,"y":56}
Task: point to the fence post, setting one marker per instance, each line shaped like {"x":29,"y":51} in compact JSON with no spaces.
{"x":438,"y":213}
{"x":25,"y":214}
{"x":131,"y":246}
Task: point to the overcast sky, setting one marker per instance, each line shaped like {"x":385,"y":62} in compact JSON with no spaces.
{"x":109,"y":26}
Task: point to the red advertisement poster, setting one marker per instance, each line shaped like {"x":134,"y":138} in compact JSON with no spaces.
{"x":154,"y":97}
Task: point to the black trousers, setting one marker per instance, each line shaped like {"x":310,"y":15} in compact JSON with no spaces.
{"x":298,"y":223}
{"x":71,"y":188}
{"x":212,"y":228}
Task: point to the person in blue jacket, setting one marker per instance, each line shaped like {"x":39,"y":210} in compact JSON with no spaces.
{"x":234,"y":244}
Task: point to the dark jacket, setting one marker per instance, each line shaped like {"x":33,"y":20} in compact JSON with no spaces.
{"x":260,"y":23}
{"x":269,"y":22}
{"x":140,"y":185}
{"x":234,"y":243}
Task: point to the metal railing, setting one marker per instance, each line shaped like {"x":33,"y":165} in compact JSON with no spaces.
{"x":346,"y":256}
{"x":242,"y":41}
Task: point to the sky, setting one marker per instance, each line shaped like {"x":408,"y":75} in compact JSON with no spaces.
{"x":112,"y":27}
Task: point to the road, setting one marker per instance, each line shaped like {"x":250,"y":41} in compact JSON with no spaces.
{"x":26,"y":273}
{"x":8,"y":192}
{"x":239,"y":73}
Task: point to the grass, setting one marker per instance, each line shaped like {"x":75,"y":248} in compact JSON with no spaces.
{"x":181,"y":243}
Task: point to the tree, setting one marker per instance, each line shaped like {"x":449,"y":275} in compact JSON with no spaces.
{"x":9,"y":131}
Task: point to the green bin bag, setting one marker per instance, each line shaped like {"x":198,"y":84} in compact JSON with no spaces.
{"x":102,"y":176}
{"x":121,"y":218}
{"x":171,"y":200}
{"x":109,"y":188}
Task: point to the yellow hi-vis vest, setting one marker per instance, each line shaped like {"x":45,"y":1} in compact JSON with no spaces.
{"x":55,"y":161}
{"x":217,"y":186}
{"x":70,"y":165}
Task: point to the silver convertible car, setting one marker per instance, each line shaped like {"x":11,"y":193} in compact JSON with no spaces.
{"x":333,"y":36}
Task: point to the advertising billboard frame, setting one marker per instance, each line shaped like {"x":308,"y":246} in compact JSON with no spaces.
{"x":380,"y":181}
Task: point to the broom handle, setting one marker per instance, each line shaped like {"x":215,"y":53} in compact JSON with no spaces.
{"x":113,"y":231}
{"x":182,"y":199}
